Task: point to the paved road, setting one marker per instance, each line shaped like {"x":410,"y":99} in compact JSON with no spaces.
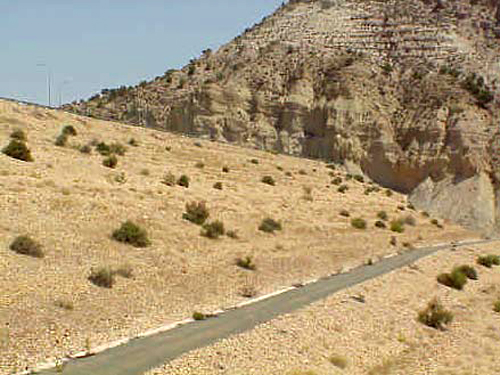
{"x":140,"y":355}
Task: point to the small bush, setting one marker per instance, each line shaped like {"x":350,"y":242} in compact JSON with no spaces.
{"x":18,"y":150}
{"x":169,"y":179}
{"x":468,"y":271}
{"x":288,"y":174}
{"x":133,"y":142}
{"x":254,"y":161}
{"x":393,"y":241}
{"x":196,"y":212}
{"x":489,"y":260}
{"x":359,"y":178}
{"x":382,"y":215}
{"x":199,"y":316}
{"x":456,"y":279}
{"x":496,"y":306}
{"x":269,"y":225}
{"x":348,"y":177}
{"x":232,"y":234}
{"x":110,"y":161}
{"x":26,"y":246}
{"x":337,"y":181}
{"x":103,"y":149}
{"x":358,"y":223}
{"x":338,"y":361}
{"x":343,"y":188}
{"x":401,"y":207}
{"x":397,"y":226}
{"x":268,"y":180}
{"x":103,"y":277}
{"x":145,"y":172}
{"x":200,"y":165}
{"x":279,"y":168}
{"x":302,"y":172}
{"x":69,"y":130}
{"x":19,"y":135}
{"x":214,"y":229}
{"x":425,"y":214}
{"x":218,"y":185}
{"x":117,"y":148}
{"x":132,"y":234}
{"x":410,"y":220}
{"x":246,"y":263}
{"x":344,"y":213}
{"x":435,"y":315}
{"x":183,"y":181}
{"x":435,"y":222}
{"x":389,"y":193}
{"x":307,"y":193}
{"x":225,"y":169}
{"x":85,"y":149}
{"x":380,"y":224}
{"x":61,"y":140}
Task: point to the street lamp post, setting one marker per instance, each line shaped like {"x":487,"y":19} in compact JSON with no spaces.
{"x":48,"y":80}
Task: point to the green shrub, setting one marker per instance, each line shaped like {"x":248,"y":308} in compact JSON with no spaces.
{"x":268,"y":180}
{"x":218,"y":185}
{"x":110,"y":161}
{"x":474,"y":84}
{"x":103,"y":149}
{"x":344,"y":213}
{"x":26,"y":246}
{"x":117,"y":148}
{"x":200,"y":165}
{"x":61,"y":140}
{"x":496,"y":306}
{"x":302,"y":172}
{"x":456,"y":279}
{"x":196,"y":212}
{"x":269,"y":225}
{"x":468,"y":271}
{"x":69,"y":130}
{"x":225,"y":169}
{"x":358,"y":223}
{"x":435,"y":222}
{"x":169,"y":179}
{"x":388,"y":192}
{"x":337,"y":181}
{"x":183,"y":181}
{"x":397,"y":226}
{"x":380,"y":224}
{"x":254,"y":161}
{"x":19,"y":135}
{"x":425,"y":214}
{"x":246,"y":263}
{"x":338,"y":361}
{"x":132,"y":234}
{"x":359,"y":178}
{"x":489,"y":260}
{"x":103,"y":277}
{"x":18,"y":150}
{"x":343,"y":188}
{"x":214,"y":229}
{"x":232,"y":234}
{"x":279,"y":168}
{"x":199,"y":316}
{"x":435,"y":315}
{"x":382,"y":215}
{"x":133,"y":142}
{"x":85,"y":149}
{"x":288,"y":174}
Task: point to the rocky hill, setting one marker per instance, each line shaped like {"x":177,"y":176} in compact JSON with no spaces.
{"x":406,"y":92}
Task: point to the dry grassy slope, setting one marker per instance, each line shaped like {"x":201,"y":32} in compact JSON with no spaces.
{"x":355,"y":80}
{"x":378,"y":337}
{"x":71,"y":203}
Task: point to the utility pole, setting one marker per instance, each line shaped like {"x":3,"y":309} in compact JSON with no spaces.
{"x":48,"y":80}
{"x":65,"y":82}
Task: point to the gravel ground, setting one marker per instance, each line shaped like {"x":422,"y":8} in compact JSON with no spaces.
{"x":379,"y":336}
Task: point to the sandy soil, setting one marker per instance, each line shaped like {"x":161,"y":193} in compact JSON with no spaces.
{"x":378,"y":337}
{"x":71,"y":203}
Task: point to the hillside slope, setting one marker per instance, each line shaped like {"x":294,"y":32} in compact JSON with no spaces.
{"x":70,"y":203}
{"x":407,"y":91}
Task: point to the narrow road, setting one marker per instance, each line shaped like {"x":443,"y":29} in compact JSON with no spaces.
{"x":143,"y":354}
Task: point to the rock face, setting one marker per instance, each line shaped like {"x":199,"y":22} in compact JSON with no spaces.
{"x":404,"y":90}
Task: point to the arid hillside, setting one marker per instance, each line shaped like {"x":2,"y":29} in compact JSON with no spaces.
{"x":404,"y":91}
{"x":71,"y":280}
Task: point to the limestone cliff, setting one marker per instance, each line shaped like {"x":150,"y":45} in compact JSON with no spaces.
{"x":406,"y":90}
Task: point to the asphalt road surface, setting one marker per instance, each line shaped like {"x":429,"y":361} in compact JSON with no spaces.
{"x":142,"y":354}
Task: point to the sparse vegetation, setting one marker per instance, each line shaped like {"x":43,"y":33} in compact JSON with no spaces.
{"x":359,"y":178}
{"x":19,"y":135}
{"x":469,"y":271}
{"x":69,"y":130}
{"x":307,"y":193}
{"x":218,"y":185}
{"x":389,"y":192}
{"x":343,"y":188}
{"x":18,"y":150}
{"x":456,"y":279}
{"x":337,"y":181}
{"x":199,"y":316}
{"x":338,"y":361}
{"x":110,"y":161}
{"x":26,"y":246}
{"x":435,"y":315}
{"x":254,"y":161}
{"x":85,"y":149}
{"x":496,"y":306}
{"x":489,"y":260}
{"x":397,"y":226}
{"x":268,"y":180}
{"x":225,"y":169}
{"x":132,"y":234}
{"x":196,"y":212}
{"x":380,"y":224}
{"x":61,"y":140}
{"x":344,"y":213}
{"x":382,"y":215}
{"x":133,"y":142}
{"x":200,"y":165}
{"x":358,"y":223}
{"x":183,"y":181}
{"x":410,"y":220}
{"x":169,"y":179}
{"x":246,"y":263}
{"x":103,"y":277}
{"x":232,"y":234}
{"x":214,"y":229}
{"x":269,"y":225}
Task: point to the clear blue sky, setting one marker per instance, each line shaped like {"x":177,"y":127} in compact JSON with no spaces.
{"x":96,"y":44}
